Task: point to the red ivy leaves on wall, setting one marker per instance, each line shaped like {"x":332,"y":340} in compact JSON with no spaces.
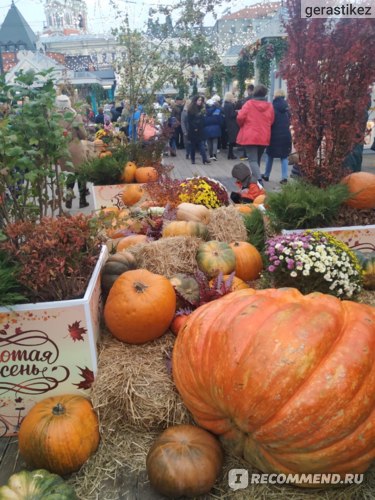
{"x":328,"y":69}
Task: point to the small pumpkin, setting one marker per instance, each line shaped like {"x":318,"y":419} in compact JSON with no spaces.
{"x":192,"y":212}
{"x":146,"y":174}
{"x":131,"y":194}
{"x":183,"y":228}
{"x":128,"y":174}
{"x":36,"y":484}
{"x":110,"y":211}
{"x":214,"y":257}
{"x":140,"y":306}
{"x":131,"y":240}
{"x":361,"y":186}
{"x":367,"y":261}
{"x":185,"y":460}
{"x":178,"y":322}
{"x":259,"y":200}
{"x":245,"y":208}
{"x":105,"y":154}
{"x":59,"y":434}
{"x":249,"y":263}
{"x":187,"y":287}
{"x":99,"y":145}
{"x":237,"y":283}
{"x":116,"y":264}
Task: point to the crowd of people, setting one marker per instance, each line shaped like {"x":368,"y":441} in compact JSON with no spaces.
{"x":250,"y":126}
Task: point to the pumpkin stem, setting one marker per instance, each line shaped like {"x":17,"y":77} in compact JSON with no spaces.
{"x":59,"y":409}
{"x":140,"y":287}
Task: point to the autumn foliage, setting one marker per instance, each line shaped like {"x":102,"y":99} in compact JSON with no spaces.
{"x":56,"y":257}
{"x":328,"y":69}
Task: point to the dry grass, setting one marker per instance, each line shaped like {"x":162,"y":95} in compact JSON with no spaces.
{"x":226,"y":224}
{"x":136,"y":400}
{"x":168,"y":256}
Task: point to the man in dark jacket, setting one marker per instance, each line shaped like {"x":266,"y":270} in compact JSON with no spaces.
{"x":281,"y":140}
{"x":176,"y":114}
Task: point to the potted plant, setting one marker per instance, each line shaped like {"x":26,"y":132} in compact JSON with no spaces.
{"x":49,"y":319}
{"x":300,"y":205}
{"x":107,"y":171}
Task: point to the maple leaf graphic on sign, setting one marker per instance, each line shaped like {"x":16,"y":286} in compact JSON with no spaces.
{"x":76,"y":331}
{"x":88,"y":378}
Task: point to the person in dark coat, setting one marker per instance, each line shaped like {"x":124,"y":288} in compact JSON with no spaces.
{"x":281,"y":140}
{"x":196,"y":114}
{"x":213,"y":123}
{"x":232,"y":127}
{"x":99,"y":118}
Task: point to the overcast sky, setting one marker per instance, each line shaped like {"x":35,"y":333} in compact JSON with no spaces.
{"x":100,"y":18}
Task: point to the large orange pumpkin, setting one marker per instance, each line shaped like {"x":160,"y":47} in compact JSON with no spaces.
{"x":287,"y":380}
{"x":59,"y":434}
{"x":249,"y":262}
{"x":140,"y":306}
{"x":146,"y":174}
{"x":361,"y":186}
{"x":184,"y":461}
{"x":131,"y":194}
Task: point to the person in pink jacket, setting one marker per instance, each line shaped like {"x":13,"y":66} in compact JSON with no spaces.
{"x":255,"y":119}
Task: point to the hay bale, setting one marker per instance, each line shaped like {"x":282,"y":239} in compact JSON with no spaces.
{"x":134,"y":386}
{"x":226,"y":224}
{"x":135,"y":399}
{"x":168,"y":256}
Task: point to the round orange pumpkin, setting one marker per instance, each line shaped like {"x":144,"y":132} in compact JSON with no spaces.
{"x":131,"y":194}
{"x":104,"y":154}
{"x":237,"y":283}
{"x":184,"y":461}
{"x":249,"y":262}
{"x":128,"y":174}
{"x":140,"y":306}
{"x":292,"y":377}
{"x":59,"y":434}
{"x":131,"y":240}
{"x":178,"y":322}
{"x":109,"y":210}
{"x":361,"y":186}
{"x":146,"y":174}
{"x":244,"y":208}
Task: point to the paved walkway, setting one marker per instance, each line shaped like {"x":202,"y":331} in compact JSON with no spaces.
{"x":220,"y":170}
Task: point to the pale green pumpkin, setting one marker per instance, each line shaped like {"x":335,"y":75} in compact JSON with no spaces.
{"x":214,"y":257}
{"x":36,"y":485}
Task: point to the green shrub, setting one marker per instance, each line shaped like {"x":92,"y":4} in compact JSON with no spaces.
{"x":102,"y":171}
{"x":300,"y":205}
{"x":9,"y":286}
{"x":256,"y":233}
